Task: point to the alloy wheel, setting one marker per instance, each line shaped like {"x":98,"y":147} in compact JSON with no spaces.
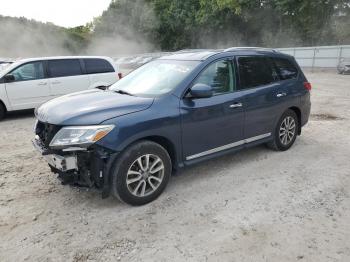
{"x":145,"y":175}
{"x":287,"y":130}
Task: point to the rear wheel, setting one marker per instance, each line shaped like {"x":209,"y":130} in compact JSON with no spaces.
{"x":141,"y":173}
{"x":286,"y":131}
{"x":2,"y":111}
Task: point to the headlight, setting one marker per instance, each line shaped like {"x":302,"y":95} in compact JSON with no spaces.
{"x":80,"y":135}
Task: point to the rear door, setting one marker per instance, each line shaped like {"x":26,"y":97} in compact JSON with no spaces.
{"x":66,"y":76}
{"x":290,"y":82}
{"x":100,"y":71}
{"x":30,"y":88}
{"x":259,"y":79}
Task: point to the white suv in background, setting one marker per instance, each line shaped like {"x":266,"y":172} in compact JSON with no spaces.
{"x":27,"y":83}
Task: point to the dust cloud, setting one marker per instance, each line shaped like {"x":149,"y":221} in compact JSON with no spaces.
{"x":21,"y":38}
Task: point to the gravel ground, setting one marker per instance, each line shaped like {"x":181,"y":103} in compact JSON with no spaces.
{"x":256,"y":205}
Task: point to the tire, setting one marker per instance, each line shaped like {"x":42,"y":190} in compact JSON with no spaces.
{"x":2,"y":111}
{"x":282,"y":141}
{"x":133,"y":181}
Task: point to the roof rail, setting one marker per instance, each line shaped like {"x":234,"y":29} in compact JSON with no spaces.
{"x":250,"y":48}
{"x":193,"y":50}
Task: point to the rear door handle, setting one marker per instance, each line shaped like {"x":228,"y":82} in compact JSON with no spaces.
{"x":235,"y":105}
{"x":56,"y":82}
{"x":281,"y":94}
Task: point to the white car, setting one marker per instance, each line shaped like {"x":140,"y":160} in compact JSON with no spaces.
{"x":27,"y":83}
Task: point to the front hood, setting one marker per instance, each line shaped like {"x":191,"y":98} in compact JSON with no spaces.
{"x":90,"y":107}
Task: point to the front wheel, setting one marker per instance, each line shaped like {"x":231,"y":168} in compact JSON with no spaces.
{"x":141,"y":173}
{"x":286,"y":131}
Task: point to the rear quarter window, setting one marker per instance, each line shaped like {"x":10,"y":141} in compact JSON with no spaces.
{"x":64,"y":67}
{"x":285,"y":68}
{"x":97,"y":66}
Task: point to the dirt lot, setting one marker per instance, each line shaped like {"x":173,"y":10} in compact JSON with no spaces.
{"x":256,"y":205}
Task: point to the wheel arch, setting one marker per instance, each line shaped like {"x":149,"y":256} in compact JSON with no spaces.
{"x":3,"y":104}
{"x":297,"y":111}
{"x":166,"y":143}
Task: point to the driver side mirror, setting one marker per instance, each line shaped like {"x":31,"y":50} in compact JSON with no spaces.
{"x":9,"y":78}
{"x":201,"y":91}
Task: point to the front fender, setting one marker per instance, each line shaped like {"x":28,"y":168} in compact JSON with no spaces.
{"x":161,"y":120}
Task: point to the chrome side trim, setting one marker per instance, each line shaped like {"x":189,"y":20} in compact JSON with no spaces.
{"x":228,"y":146}
{"x":217,"y":149}
{"x":255,"y":138}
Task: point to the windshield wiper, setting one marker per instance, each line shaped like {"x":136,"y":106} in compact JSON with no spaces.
{"x":123,"y":92}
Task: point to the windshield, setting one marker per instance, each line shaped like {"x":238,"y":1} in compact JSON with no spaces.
{"x":155,"y":78}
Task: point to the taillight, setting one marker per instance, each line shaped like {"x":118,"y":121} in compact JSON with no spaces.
{"x":307,"y":85}
{"x":120,"y":75}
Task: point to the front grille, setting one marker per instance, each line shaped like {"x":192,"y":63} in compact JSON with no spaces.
{"x":46,"y":132}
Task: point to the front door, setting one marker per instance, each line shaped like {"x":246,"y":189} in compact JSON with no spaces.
{"x":30,"y":87}
{"x":214,"y":124}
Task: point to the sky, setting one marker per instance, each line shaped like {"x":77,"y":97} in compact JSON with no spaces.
{"x":67,"y":13}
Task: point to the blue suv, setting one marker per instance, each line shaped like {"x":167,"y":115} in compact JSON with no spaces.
{"x":172,"y":112}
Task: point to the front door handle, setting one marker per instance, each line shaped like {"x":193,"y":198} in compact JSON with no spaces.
{"x":42,"y":84}
{"x":235,"y":105}
{"x":281,"y":94}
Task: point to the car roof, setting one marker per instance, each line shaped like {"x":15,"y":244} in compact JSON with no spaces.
{"x":203,"y":54}
{"x":60,"y":57}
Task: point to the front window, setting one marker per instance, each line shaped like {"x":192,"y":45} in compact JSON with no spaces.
{"x":29,"y":71}
{"x":155,"y":78}
{"x":219,"y":76}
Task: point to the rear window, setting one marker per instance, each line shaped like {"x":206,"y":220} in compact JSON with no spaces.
{"x":285,"y":68}
{"x":64,"y":67}
{"x":96,"y":66}
{"x":255,"y":71}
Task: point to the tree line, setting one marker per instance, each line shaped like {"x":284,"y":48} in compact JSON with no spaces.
{"x":178,"y":24}
{"x":169,"y":25}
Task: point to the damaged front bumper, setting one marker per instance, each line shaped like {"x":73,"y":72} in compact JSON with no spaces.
{"x":62,"y":163}
{"x":87,"y":167}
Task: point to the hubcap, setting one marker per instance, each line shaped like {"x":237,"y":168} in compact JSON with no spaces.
{"x":145,"y":175}
{"x":287,"y":130}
